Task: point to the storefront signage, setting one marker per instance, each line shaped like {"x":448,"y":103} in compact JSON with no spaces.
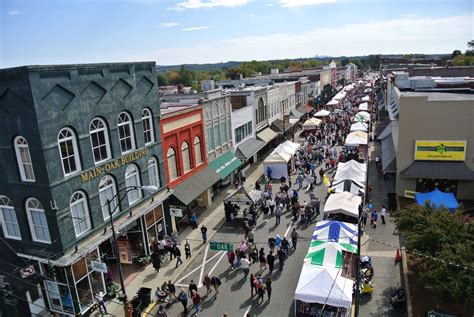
{"x":99,"y":266}
{"x":125,"y":251}
{"x":176,"y":212}
{"x":221,"y":246}
{"x":440,"y":150}
{"x":110,"y":166}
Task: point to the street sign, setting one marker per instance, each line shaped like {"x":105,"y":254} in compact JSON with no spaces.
{"x":221,"y":246}
{"x":99,"y":266}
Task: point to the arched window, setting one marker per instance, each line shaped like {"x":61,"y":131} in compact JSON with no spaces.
{"x":8,"y":219}
{"x":132,"y":178}
{"x":107,"y":191}
{"x":186,"y":157}
{"x":37,"y":220}
{"x":125,"y":131}
{"x":68,"y":151}
{"x":147,"y":123}
{"x":79,"y":213}
{"x":24,"y":159}
{"x":99,"y":140}
{"x":197,"y":150}
{"x":172,"y":164}
{"x":153,"y":172}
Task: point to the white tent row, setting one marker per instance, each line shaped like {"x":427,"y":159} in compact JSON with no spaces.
{"x":343,"y":203}
{"x":362,"y":116}
{"x":288,"y":147}
{"x":366,"y":98}
{"x":359,"y":126}
{"x":364,"y":106}
{"x":347,"y":185}
{"x":340,"y":95}
{"x":352,"y":165}
{"x":311,"y":123}
{"x":351,"y":174}
{"x":356,"y":138}
{"x":333,"y":102}
{"x":278,"y":162}
{"x":322,"y":113}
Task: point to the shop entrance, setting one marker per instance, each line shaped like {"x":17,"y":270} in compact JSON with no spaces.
{"x":426,"y":185}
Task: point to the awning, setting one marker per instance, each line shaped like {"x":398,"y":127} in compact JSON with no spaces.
{"x":267,"y":135}
{"x":225,"y":164}
{"x":438,"y":169}
{"x":279,"y":127}
{"x":195,"y":185}
{"x":297,"y":113}
{"x":388,"y":153}
{"x":248,"y":148}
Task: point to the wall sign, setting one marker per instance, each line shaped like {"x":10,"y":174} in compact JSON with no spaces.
{"x":110,"y":166}
{"x":99,"y":266}
{"x":176,"y":212}
{"x":440,"y":150}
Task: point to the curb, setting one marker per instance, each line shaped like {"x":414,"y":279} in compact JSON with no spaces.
{"x":405,"y":281}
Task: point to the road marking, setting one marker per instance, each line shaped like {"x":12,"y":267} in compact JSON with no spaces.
{"x":202,"y":267}
{"x":288,"y":230}
{"x":215,"y":265}
{"x":208,"y":260}
{"x":247,"y":311}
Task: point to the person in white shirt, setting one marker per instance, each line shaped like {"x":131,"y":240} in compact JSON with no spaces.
{"x":245,"y":266}
{"x":382,"y":214}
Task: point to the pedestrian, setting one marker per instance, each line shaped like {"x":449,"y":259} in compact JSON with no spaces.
{"x":382,"y":214}
{"x":250,"y":237}
{"x":196,"y":301}
{"x":281,"y":258}
{"x":187,"y":250}
{"x":269,"y":172}
{"x":365,"y":215}
{"x":183,"y":299}
{"x":253,"y":256}
{"x":99,"y":296}
{"x":271,"y":261}
{"x":215,"y":282}
{"x":156,"y":261}
{"x":231,"y":258}
{"x":194,"y":221}
{"x":245,"y":265}
{"x":252,"y":285}
{"x":294,"y":238}
{"x":207,"y":282}
{"x":260,"y":289}
{"x":177,"y":254}
{"x":271,"y":243}
{"x":268,"y":285}
{"x":161,"y":312}
{"x":299,"y":180}
{"x":374,"y":219}
{"x":257,"y":185}
{"x":171,"y":291}
{"x":285,"y":245}
{"x":277,"y":241}
{"x":262,"y":259}
{"x":278,"y":214}
{"x":192,"y":287}
{"x":204,"y":233}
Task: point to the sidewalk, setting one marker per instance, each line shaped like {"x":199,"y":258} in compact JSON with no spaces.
{"x":212,"y":218}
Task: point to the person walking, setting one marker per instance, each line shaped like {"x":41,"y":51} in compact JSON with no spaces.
{"x":262,"y":259}
{"x":374,"y":219}
{"x":99,"y":296}
{"x":161,"y":312}
{"x":156,"y":261}
{"x":317,"y":206}
{"x":252,"y":285}
{"x":260,"y":289}
{"x":196,"y":301}
{"x":250,"y":236}
{"x":268,"y":285}
{"x":215,"y":282}
{"x":281,"y":258}
{"x":177,"y":254}
{"x":183,"y":299}
{"x":285,"y":245}
{"x":382,"y":214}
{"x":187,"y":250}
{"x":207,"y":283}
{"x":192,"y":287}
{"x":271,"y":243}
{"x":172,"y":291}
{"x":194,"y":221}
{"x":278,"y":214}
{"x":204,"y":233}
{"x":365,"y":215}
{"x":231,"y":258}
{"x":294,"y":238}
{"x":271,"y":262}
{"x":245,"y":265}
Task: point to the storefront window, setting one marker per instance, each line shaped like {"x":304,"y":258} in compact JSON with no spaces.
{"x":154,"y":224}
{"x":84,"y":293}
{"x":66,"y":298}
{"x":96,"y":282}
{"x":59,"y":297}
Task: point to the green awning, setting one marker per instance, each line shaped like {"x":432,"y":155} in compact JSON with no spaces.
{"x":225,"y":164}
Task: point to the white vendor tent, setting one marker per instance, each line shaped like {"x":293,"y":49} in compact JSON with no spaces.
{"x":356,"y":138}
{"x":311,"y":123}
{"x":353,"y":174}
{"x":288,"y":147}
{"x":278,"y":162}
{"x":347,"y":185}
{"x":325,"y":286}
{"x":359,"y":126}
{"x":322,"y":113}
{"x":364,"y":106}
{"x":352,"y":164}
{"x":343,"y":203}
{"x":340,"y":95}
{"x":333,"y":102}
{"x":363,"y":116}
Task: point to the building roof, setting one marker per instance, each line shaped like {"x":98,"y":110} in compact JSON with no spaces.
{"x":440,"y":96}
{"x":195,"y":185}
{"x":438,"y":169}
{"x":169,"y":109}
{"x":249,"y":147}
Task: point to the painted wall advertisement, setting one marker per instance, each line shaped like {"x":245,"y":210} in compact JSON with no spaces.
{"x":125,"y":251}
{"x":440,"y":150}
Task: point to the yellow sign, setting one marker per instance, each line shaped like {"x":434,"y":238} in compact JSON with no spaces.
{"x":440,"y":150}
{"x":110,"y":166}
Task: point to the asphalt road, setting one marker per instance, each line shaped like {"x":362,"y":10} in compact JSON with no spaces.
{"x":234,"y":294}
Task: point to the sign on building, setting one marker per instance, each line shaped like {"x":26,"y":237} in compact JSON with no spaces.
{"x":440,"y":150}
{"x":99,"y":266}
{"x":176,"y":212}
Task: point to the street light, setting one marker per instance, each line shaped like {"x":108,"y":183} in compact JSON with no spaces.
{"x":150,"y":189}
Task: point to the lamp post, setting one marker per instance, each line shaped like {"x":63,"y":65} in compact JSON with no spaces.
{"x":150,"y":189}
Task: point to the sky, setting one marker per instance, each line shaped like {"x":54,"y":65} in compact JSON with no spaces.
{"x":36,"y":32}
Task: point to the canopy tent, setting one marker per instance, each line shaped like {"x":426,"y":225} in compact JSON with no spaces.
{"x":364,"y":106}
{"x":349,"y":87}
{"x":359,"y":126}
{"x":333,"y":102}
{"x":437,"y":199}
{"x":325,"y":286}
{"x":350,"y":174}
{"x":328,"y":254}
{"x":322,"y":113}
{"x":288,"y":147}
{"x":343,"y":203}
{"x":362,"y":116}
{"x":278,"y":162}
{"x":347,"y":185}
{"x":311,"y":123}
{"x":244,"y":196}
{"x":340,"y":95}
{"x":366,"y":98}
{"x":335,"y":231}
{"x":356,"y":138}
{"x":352,"y":164}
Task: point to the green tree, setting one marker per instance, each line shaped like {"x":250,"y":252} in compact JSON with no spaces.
{"x":186,"y":76}
{"x":341,"y":82}
{"x":442,"y":237}
{"x":357,"y":63}
{"x":232,"y":73}
{"x":344,"y":61}
{"x":162,"y":80}
{"x":455,"y":53}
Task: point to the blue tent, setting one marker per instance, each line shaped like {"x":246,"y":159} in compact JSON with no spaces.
{"x":335,"y":231}
{"x":438,"y":199}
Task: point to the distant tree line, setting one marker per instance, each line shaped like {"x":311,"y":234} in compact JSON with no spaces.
{"x":466,"y":59}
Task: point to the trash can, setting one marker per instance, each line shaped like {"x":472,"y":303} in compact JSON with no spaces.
{"x":135,"y":303}
{"x":144,"y":294}
{"x":392,"y":201}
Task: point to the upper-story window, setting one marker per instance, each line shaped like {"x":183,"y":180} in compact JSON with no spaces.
{"x":8,"y":219}
{"x":153,"y":172}
{"x":186,"y":156}
{"x":37,"y":220}
{"x":172,"y":163}
{"x":24,"y":159}
{"x":125,"y":131}
{"x":68,"y":151}
{"x":99,"y":140}
{"x":107,"y":192}
{"x":132,"y":179}
{"x":197,"y":150}
{"x":79,"y":213}
{"x":147,"y":123}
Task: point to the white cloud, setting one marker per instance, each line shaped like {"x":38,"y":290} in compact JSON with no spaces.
{"x":397,"y":36}
{"x":252,"y":16}
{"x":196,"y":28}
{"x":207,"y":4}
{"x":165,"y":25}
{"x":14,"y":12}
{"x":270,"y":4}
{"x":300,"y":3}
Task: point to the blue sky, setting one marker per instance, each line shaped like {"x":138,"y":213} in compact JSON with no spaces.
{"x":208,"y":31}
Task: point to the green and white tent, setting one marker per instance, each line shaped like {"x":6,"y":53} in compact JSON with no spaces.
{"x":328,"y":254}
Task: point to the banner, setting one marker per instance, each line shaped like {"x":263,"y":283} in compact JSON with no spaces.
{"x":125,"y":251}
{"x":440,"y":150}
